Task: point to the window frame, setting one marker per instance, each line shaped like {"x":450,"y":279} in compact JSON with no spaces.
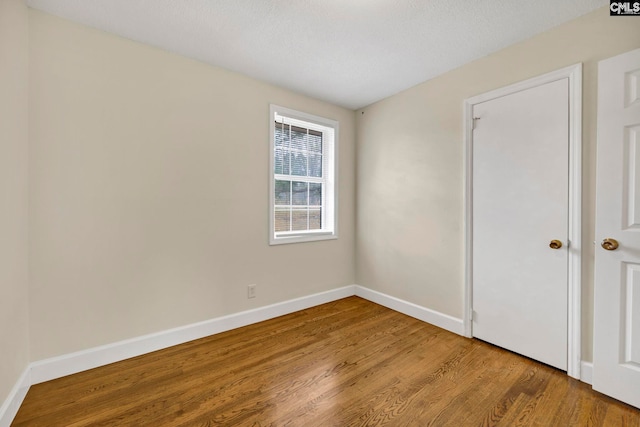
{"x":330,"y":194}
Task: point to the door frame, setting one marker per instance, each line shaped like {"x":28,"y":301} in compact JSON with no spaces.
{"x":574,"y":74}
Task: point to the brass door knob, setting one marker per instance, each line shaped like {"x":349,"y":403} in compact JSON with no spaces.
{"x":555,"y":244}
{"x":610,"y":244}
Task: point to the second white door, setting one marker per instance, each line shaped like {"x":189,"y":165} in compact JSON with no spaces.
{"x":616,"y":335}
{"x":520,"y":222}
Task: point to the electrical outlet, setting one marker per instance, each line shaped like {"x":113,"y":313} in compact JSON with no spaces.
{"x":251,"y":291}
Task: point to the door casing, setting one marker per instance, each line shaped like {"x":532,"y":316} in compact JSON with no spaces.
{"x":574,"y":74}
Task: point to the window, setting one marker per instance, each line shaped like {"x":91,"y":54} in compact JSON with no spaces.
{"x":303,"y":177}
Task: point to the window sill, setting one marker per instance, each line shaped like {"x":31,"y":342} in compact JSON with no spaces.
{"x":301,"y":238}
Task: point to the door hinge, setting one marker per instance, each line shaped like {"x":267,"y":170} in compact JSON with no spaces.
{"x":474,"y":121}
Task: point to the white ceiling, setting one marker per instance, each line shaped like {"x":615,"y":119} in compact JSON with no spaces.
{"x":348,"y":52}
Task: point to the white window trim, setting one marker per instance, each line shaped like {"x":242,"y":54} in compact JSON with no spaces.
{"x":298,"y":118}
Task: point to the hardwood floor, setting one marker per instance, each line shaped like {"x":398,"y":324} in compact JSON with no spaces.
{"x":346,"y":363}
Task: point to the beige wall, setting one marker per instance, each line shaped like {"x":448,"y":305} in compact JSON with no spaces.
{"x":149,"y":192}
{"x":410,"y":189}
{"x":14,"y":351}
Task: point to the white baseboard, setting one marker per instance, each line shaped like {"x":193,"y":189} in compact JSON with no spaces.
{"x":10,"y":407}
{"x":56,"y":367}
{"x":436,"y":318}
{"x":586,"y":372}
{"x":60,"y":366}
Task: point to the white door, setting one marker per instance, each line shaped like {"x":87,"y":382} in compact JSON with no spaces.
{"x":520,"y":205}
{"x":616,"y":342}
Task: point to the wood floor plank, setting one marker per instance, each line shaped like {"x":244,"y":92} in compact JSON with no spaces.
{"x":347,"y":363}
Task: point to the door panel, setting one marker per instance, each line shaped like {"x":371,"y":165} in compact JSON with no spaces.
{"x":632,"y":179}
{"x":520,"y":203}
{"x":631,"y":337}
{"x":616,"y":347}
